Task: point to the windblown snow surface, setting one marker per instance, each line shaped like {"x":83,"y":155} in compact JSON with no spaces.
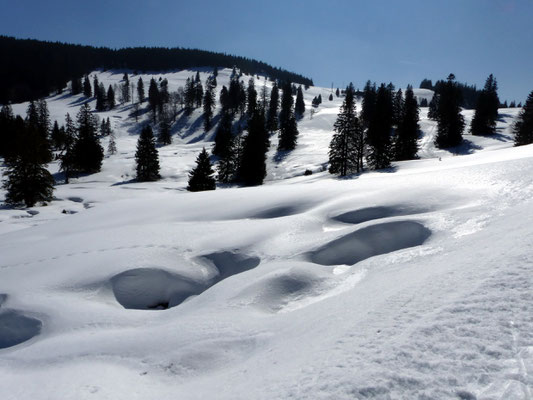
{"x":412,"y":283}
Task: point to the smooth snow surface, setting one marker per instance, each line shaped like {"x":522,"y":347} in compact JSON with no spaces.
{"x":414,"y":283}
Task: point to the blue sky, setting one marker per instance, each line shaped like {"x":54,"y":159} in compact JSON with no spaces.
{"x":331,"y":41}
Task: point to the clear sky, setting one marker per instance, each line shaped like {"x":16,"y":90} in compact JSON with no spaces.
{"x":331,"y":41}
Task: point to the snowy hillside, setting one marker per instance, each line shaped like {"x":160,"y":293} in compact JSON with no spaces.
{"x":411,"y":284}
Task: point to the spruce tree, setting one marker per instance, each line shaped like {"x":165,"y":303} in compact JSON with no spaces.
{"x":330,"y":97}
{"x":337,"y":93}
{"x":397,"y":107}
{"x":201,"y":177}
{"x":88,"y":153}
{"x":125,"y":88}
{"x":28,"y":180}
{"x":112,"y":145}
{"x":223,"y":135}
{"x":299,"y":106}
{"x":76,"y":86}
{"x":369,"y":103}
{"x":101,"y":100}
{"x":190,"y":96}
{"x":450,"y":122}
{"x":346,"y":147}
{"x":288,"y":134}
{"x":38,"y":120}
{"x":153,"y":98}
{"x":379,"y":130}
{"x":140,"y":90}
{"x":224,"y":99}
{"x":147,"y":157}
{"x":96,"y":86}
{"x":272,"y":114}
{"x":484,"y":121}
{"x":198,"y":91}
{"x":87,"y":91}
{"x":252,"y":169}
{"x":57,"y":136}
{"x":251,"y":98}
{"x":209,"y":105}
{"x":405,"y":145}
{"x":67,"y":157}
{"x":523,"y":128}
{"x":7,"y":134}
{"x":110,"y":98}
{"x":164,"y":136}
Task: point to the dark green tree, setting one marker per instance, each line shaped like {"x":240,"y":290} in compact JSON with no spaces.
{"x":252,"y":168}
{"x":153,"y":98}
{"x":450,"y":122}
{"x":369,"y":103}
{"x":201,"y":177}
{"x":125,"y":88}
{"x":346,"y":146}
{"x":299,"y":105}
{"x":379,"y":130}
{"x":110,"y":98}
{"x":288,"y":134}
{"x":523,"y":128}
{"x":164,"y":136}
{"x":272,"y":114}
{"x":484,"y":121}
{"x":88,"y":153}
{"x":406,"y":145}
{"x":87,"y":91}
{"x":209,"y":105}
{"x":140,"y":90}
{"x":67,"y":157}
{"x":147,"y":157}
{"x":251,"y":98}
{"x":101,"y":98}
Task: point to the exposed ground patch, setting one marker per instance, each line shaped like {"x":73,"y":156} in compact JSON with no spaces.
{"x":370,"y":241}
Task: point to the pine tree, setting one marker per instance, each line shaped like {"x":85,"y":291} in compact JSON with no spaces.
{"x":101,"y":99}
{"x":201,"y":177}
{"x":38,"y":120}
{"x":346,"y":147}
{"x":110,"y":98}
{"x":223,"y":135}
{"x":224,"y":99}
{"x":397,"y":108}
{"x":251,"y":98}
{"x":88,"y":153}
{"x":164,"y":137}
{"x":7,"y":134}
{"x":272,"y":115}
{"x":153,"y":98}
{"x":125,"y":88}
{"x":140,"y":90}
{"x":76,"y":86}
{"x":484,"y":121}
{"x":330,"y":97}
{"x":337,"y":93}
{"x":112,"y":145}
{"x":209,"y":105}
{"x":57,"y":136}
{"x":96,"y":86}
{"x":288,"y":134}
{"x":190,"y":96}
{"x":369,"y":103}
{"x":67,"y":157}
{"x":28,"y":180}
{"x":379,"y":130}
{"x":252,"y":169}
{"x":450,"y":122}
{"x":523,"y":128}
{"x":198,"y":91}
{"x":433,"y":106}
{"x":406,"y":146}
{"x":147,"y":157}
{"x":87,"y":92}
{"x":299,"y":106}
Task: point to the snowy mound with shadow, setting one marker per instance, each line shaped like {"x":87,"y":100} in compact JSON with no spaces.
{"x":16,"y":328}
{"x":370,"y":241}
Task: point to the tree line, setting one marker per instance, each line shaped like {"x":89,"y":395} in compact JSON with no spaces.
{"x":38,"y":68}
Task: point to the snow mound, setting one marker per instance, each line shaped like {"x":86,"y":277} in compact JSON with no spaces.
{"x":228,"y":263}
{"x":371,"y":213}
{"x":370,"y":241}
{"x":153,"y":288}
{"x":275,"y":293}
{"x":16,"y":328}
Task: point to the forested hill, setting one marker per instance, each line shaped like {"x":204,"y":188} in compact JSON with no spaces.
{"x":34,"y":68}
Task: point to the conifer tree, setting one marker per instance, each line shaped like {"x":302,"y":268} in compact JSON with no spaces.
{"x":209,"y":105}
{"x":379,"y":130}
{"x":125,"y":88}
{"x":337,"y":93}
{"x":7,"y":136}
{"x":67,"y":158}
{"x":76,"y":86}
{"x":330,"y":97}
{"x":140,"y":90}
{"x":198,"y":91}
{"x":251,"y":98}
{"x":223,"y":135}
{"x":397,"y":107}
{"x":272,"y":114}
{"x":299,"y":106}
{"x":406,"y":146}
{"x":369,"y":103}
{"x":252,"y":168}
{"x":96,"y":86}
{"x":190,"y":96}
{"x":87,"y":92}
{"x":288,"y":134}
{"x":201,"y":177}
{"x":433,"y":105}
{"x":346,"y":147}
{"x":523,"y":128}
{"x":57,"y":136}
{"x":112,"y":145}
{"x":164,"y":137}
{"x":28,"y":180}
{"x":147,"y":157}
{"x":88,"y":153}
{"x":450,"y":122}
{"x":224,"y":99}
{"x":101,"y":99}
{"x":38,"y":120}
{"x":110,"y":98}
{"x":153,"y":98}
{"x":484,"y":121}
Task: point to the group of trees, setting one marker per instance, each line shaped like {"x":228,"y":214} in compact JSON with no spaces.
{"x":385,"y":130}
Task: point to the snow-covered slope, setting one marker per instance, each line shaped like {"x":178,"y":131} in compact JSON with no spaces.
{"x":412,"y":284}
